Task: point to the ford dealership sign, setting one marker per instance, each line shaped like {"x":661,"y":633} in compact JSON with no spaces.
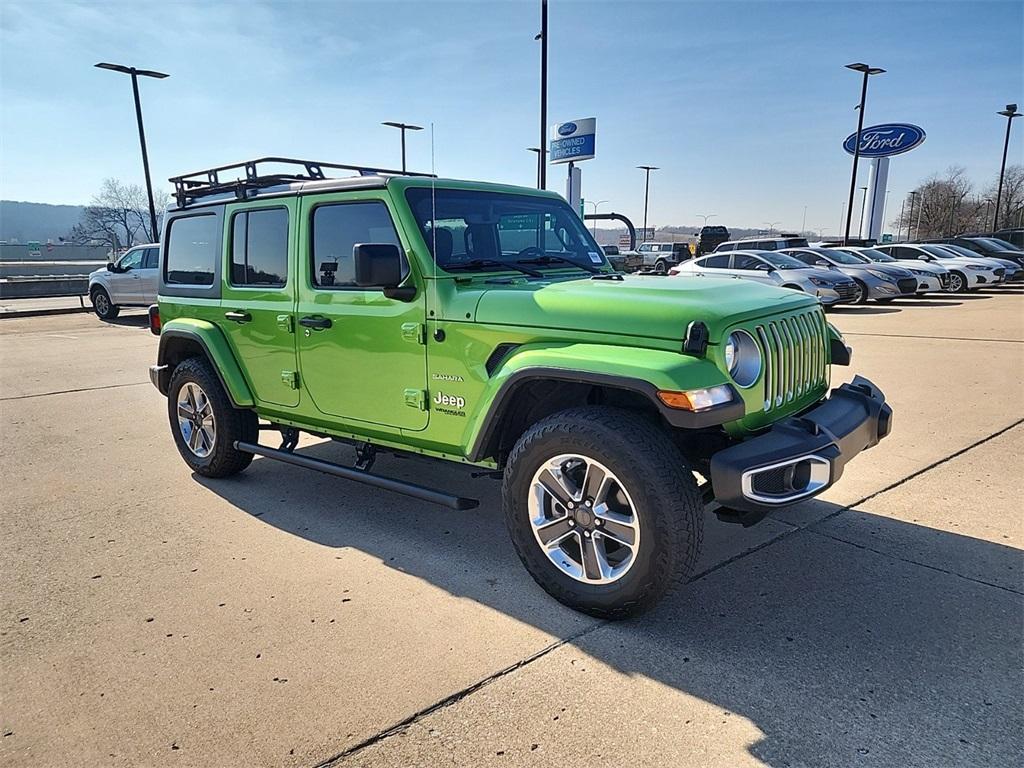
{"x":573,"y":141}
{"x":885,"y":140}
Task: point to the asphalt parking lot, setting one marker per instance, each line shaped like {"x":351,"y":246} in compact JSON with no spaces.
{"x":154,"y":618}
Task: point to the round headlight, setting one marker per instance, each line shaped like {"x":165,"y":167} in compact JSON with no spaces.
{"x":744,"y":363}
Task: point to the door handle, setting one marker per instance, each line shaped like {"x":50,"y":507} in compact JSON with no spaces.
{"x":238,"y":317}
{"x":315,"y":321}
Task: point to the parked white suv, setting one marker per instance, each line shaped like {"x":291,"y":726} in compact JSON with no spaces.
{"x":131,"y":281}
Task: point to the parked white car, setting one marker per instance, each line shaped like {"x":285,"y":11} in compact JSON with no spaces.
{"x":931,"y":277}
{"x":966,"y":273}
{"x":130,"y":281}
{"x":773,"y":268}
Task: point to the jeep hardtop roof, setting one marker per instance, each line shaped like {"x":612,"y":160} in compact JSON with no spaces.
{"x":223,"y":184}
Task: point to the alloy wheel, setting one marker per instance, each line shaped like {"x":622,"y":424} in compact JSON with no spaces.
{"x":101,"y":302}
{"x":195,"y":420}
{"x":584,"y":519}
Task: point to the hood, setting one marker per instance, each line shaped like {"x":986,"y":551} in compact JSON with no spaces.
{"x":893,"y":270}
{"x":651,"y":307}
{"x":921,"y":266}
{"x":831,"y":276}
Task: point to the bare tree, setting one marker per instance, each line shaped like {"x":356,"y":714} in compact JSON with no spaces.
{"x":118,"y":216}
{"x":944,"y":206}
{"x":1012,"y":201}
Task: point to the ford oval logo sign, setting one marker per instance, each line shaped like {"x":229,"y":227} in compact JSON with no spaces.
{"x":566,"y":129}
{"x":885,"y":140}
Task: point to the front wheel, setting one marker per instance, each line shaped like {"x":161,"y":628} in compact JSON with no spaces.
{"x":205,"y":424}
{"x":104,"y":308}
{"x":862,"y":293}
{"x":602,"y":510}
{"x":958,"y":282}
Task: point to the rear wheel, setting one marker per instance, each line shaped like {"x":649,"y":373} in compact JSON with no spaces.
{"x":205,"y":424}
{"x":661,"y":267}
{"x":105,"y":309}
{"x":602,"y":510}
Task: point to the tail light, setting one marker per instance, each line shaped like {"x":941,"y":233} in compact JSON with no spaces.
{"x":154,"y":319}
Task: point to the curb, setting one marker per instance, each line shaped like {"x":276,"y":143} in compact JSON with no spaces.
{"x":43,"y":312}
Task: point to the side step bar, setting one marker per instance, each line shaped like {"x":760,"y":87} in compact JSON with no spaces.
{"x":388,"y":484}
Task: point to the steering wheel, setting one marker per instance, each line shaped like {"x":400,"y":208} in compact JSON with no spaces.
{"x":530,"y":249}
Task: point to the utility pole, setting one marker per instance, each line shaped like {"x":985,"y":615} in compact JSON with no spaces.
{"x":135,"y":73}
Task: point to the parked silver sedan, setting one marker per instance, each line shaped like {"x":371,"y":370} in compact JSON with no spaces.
{"x":773,"y":268}
{"x":881,"y":282}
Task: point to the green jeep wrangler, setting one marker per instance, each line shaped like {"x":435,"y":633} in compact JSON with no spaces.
{"x":481,"y":324}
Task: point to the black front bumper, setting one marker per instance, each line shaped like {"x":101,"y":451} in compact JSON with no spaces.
{"x":801,"y":456}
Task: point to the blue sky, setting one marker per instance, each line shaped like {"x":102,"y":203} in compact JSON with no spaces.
{"x":743,"y":105}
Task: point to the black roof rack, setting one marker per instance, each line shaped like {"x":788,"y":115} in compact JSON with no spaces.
{"x":191,"y":186}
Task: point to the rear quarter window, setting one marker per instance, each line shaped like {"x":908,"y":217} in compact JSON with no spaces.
{"x":193,"y":248}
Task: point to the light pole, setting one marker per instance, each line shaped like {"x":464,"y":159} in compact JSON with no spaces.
{"x":771,"y":225}
{"x":540,"y":164}
{"x":899,"y":230}
{"x":803,"y":223}
{"x":647,"y":191}
{"x":1009,"y":113}
{"x":543,"y":37}
{"x":868,"y":71}
{"x":135,"y":73}
{"x":706,"y":216}
{"x":863,"y":202}
{"x":403,"y":127}
{"x":595,"y":204}
{"x":910,"y":220}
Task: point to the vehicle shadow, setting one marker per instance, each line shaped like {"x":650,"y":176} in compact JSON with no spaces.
{"x":839,"y":654}
{"x":134,"y":320}
{"x":864,"y":309}
{"x":928,"y":303}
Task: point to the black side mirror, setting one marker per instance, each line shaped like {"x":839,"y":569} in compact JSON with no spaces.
{"x":110,"y":266}
{"x":379,"y":265}
{"x":769,"y":269}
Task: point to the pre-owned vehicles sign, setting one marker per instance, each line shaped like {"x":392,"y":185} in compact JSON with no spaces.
{"x":885,"y":140}
{"x":573,"y":141}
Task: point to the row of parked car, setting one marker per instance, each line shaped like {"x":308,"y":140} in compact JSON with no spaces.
{"x":846,"y":274}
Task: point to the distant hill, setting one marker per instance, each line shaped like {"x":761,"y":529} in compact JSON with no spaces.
{"x":36,"y":221}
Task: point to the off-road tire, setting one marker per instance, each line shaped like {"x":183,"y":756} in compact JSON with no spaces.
{"x":862,"y":297}
{"x":656,"y":476}
{"x":661,"y":267}
{"x":231,"y":423}
{"x":104,"y":308}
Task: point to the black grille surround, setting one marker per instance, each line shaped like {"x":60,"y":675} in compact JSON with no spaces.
{"x":907,"y":284}
{"x":846,"y":291}
{"x":944,"y":280}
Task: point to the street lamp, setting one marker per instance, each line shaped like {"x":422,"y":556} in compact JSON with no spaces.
{"x":910,"y":221}
{"x":1009,"y":113}
{"x":647,"y":190}
{"x":135,"y":73}
{"x":863,"y":203}
{"x":595,"y":204}
{"x":868,"y":71}
{"x":543,"y":37}
{"x":771,"y":225}
{"x":540,"y":164}
{"x":403,"y":127}
{"x":706,"y":216}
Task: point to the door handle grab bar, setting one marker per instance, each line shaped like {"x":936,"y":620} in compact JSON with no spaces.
{"x":237,"y":316}
{"x":315,"y":321}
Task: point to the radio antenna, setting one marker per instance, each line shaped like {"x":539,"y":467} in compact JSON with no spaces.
{"x":435,"y":309}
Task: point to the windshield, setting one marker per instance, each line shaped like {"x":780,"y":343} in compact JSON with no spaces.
{"x":873,"y":255}
{"x":959,"y":250}
{"x":467,"y":230}
{"x":841,"y":257}
{"x":782,"y":261}
{"x":995,"y":244}
{"x":939,"y":251}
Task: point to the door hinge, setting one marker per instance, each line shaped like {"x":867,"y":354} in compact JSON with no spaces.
{"x":416,"y":398}
{"x":285,"y":323}
{"x":414,"y":332}
{"x":290,"y":379}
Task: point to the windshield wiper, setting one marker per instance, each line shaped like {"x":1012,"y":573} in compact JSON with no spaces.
{"x":479,"y":263}
{"x":548,"y":259}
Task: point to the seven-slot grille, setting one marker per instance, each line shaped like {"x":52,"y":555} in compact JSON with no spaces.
{"x":907,"y":285}
{"x":846,"y":291}
{"x":795,"y":356}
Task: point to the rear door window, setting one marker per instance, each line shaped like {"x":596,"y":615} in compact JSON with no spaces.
{"x":717,"y":262}
{"x":259,"y":247}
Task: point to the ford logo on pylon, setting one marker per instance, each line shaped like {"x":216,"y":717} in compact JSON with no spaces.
{"x":566,"y":129}
{"x":885,"y":140}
